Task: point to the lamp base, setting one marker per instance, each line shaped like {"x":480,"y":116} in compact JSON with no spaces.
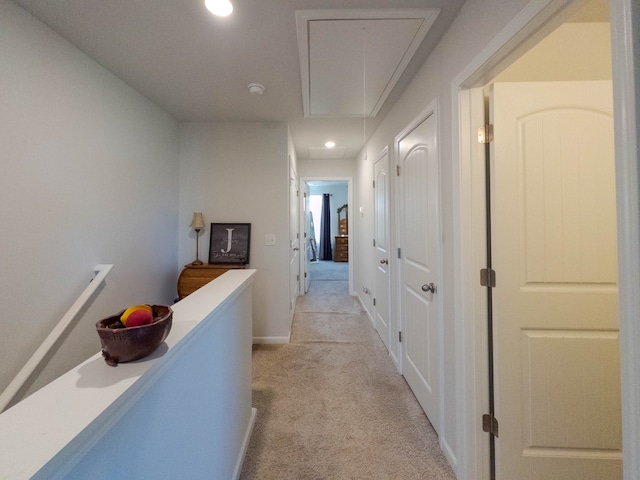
{"x":196,"y":262}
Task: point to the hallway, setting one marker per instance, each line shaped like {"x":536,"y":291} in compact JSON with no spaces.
{"x":331,"y":404}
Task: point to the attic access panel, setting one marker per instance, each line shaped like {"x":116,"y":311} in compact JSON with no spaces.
{"x":337,"y":48}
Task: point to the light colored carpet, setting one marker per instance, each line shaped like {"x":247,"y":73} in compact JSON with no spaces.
{"x":331,"y":404}
{"x":329,"y":270}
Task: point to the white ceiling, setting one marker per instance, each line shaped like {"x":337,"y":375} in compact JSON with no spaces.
{"x":197,"y":66}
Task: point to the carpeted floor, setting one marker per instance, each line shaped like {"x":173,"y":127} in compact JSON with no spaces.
{"x":331,"y":404}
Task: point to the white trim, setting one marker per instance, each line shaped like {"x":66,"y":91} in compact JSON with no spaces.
{"x":245,"y":444}
{"x":625,"y":87}
{"x":271,"y":340}
{"x":471,"y":200}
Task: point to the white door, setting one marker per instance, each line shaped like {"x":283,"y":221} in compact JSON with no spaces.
{"x":555,"y":305}
{"x":308,"y":253}
{"x":420,"y":264}
{"x":294,"y":244}
{"x":381,"y":238}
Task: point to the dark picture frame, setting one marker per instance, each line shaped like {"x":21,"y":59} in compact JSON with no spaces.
{"x":230,"y":243}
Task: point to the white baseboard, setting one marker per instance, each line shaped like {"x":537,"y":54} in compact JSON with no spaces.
{"x":364,"y":307}
{"x":271,"y":340}
{"x":448,"y":453}
{"x":245,"y":444}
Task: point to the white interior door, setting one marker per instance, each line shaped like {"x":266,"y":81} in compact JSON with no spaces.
{"x":420,"y":263}
{"x":555,"y":304}
{"x":382,"y":283}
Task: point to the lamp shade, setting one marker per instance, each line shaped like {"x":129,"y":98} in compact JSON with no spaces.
{"x":197,"y":221}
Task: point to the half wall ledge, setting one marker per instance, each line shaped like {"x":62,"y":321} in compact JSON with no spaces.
{"x":182,"y":412}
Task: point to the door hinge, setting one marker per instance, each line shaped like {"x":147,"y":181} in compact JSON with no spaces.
{"x":297,"y":193}
{"x":374,"y":242}
{"x":397,"y":170}
{"x":305,"y":194}
{"x":485,"y":134}
{"x":490,"y":424}
{"x":305,"y":274}
{"x":487,"y":277}
{"x":374,"y":184}
{"x":297,"y":278}
{"x":399,"y":253}
{"x":374,"y":302}
{"x":400,"y":337}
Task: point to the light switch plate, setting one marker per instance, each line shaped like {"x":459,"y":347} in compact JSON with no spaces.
{"x":270,"y":239}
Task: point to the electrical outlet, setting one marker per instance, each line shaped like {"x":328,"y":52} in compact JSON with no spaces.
{"x":270,"y":239}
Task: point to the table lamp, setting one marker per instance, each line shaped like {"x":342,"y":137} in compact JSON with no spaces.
{"x":197,"y":223}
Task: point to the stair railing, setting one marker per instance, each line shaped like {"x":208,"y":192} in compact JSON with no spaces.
{"x":36,"y":359}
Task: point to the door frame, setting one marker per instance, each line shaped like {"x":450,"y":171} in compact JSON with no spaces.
{"x":534,"y":22}
{"x":352,"y":235}
{"x":294,"y":227}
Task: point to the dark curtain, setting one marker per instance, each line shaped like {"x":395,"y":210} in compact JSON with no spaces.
{"x":325,"y":229}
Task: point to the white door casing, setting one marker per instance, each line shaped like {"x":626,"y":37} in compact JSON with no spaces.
{"x":555,"y":306}
{"x":306,"y":218}
{"x":520,"y":29}
{"x":382,"y":256}
{"x":294,"y":244}
{"x":420,"y":261}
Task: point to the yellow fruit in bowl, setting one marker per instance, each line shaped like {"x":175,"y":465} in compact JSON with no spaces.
{"x":137,"y":315}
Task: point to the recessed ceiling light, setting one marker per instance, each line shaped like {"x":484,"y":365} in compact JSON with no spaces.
{"x":330,"y":144}
{"x":221,"y":8}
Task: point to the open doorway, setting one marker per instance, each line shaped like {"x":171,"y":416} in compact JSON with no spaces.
{"x":539,"y":355}
{"x":327,"y":230}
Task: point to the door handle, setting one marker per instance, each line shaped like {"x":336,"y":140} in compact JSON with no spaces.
{"x":296,"y":249}
{"x":429,"y":287}
{"x":384,"y":261}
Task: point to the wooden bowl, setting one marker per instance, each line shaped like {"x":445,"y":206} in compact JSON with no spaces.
{"x":120,"y":344}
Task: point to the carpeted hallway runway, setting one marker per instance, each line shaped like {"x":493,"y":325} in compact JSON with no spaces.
{"x":331,"y":404}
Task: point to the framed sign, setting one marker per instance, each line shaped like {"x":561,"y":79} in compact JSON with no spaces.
{"x":229,"y":243}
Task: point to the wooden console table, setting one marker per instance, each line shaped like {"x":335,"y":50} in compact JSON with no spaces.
{"x":341,"y":252}
{"x":195,"y":276}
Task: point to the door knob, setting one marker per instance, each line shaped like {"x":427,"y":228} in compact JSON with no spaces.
{"x":429,"y":287}
{"x":384,"y":261}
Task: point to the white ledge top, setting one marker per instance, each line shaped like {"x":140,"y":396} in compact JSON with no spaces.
{"x":33,"y":431}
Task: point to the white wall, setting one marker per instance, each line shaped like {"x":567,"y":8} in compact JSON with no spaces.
{"x":326,"y":169}
{"x":574,"y":51}
{"x":238,"y":172}
{"x":88,"y":177}
{"x":475,"y":26}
